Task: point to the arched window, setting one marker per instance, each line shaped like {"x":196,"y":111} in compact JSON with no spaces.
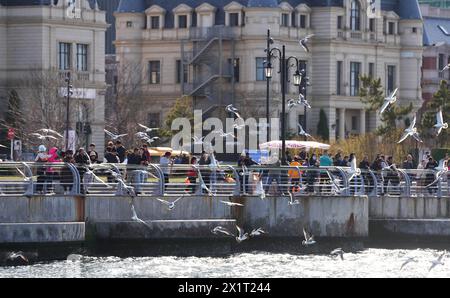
{"x":355,"y":17}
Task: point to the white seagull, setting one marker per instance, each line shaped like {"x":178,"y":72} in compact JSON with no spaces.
{"x":292,"y":103}
{"x":114,"y":136}
{"x":242,"y":236}
{"x":210,"y":193}
{"x":222,"y":134}
{"x":232,"y":204}
{"x":438,"y":261}
{"x":257,"y":232}
{"x":407,"y":261}
{"x":42,"y":137}
{"x":442,"y":170}
{"x":411,"y":131}
{"x":354,"y":170}
{"x":198,"y":141}
{"x":303,"y":101}
{"x":309,"y":239}
{"x":222,"y":230}
{"x":170,"y":205}
{"x":302,"y":132}
{"x":446,"y":67}
{"x":391,"y":99}
{"x":50,"y":131}
{"x":233,"y":110}
{"x":338,"y":252}
{"x":147,"y":129}
{"x":2,"y":146}
{"x":440,"y":125}
{"x":304,"y":42}
{"x":238,"y":126}
{"x":135,"y":218}
{"x":291,"y":200}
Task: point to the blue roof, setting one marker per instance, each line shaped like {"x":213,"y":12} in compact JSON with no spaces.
{"x":35,"y":2}
{"x":262,"y":3}
{"x":132,"y":6}
{"x":436,"y":30}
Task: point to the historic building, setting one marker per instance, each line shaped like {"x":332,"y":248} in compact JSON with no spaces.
{"x":62,"y":36}
{"x":436,"y":53}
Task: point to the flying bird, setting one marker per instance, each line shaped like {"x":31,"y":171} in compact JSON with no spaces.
{"x":411,"y":131}
{"x":147,"y":129}
{"x":233,"y":110}
{"x":407,"y":261}
{"x":303,"y":101}
{"x":222,"y":230}
{"x":257,"y":232}
{"x":2,"y":146}
{"x":198,"y":141}
{"x":292,"y":103}
{"x":50,"y":131}
{"x":391,"y":99}
{"x":440,"y":125}
{"x":304,"y":42}
{"x":302,"y":132}
{"x":291,"y":200}
{"x":43,"y":137}
{"x":241,"y":236}
{"x":438,"y":261}
{"x":354,"y":170}
{"x":170,"y":205}
{"x":309,"y":239}
{"x":338,"y":252}
{"x":135,"y":218}
{"x":442,"y":170}
{"x":224,"y":135}
{"x":232,"y":204}
{"x":114,"y":136}
{"x":446,"y":67}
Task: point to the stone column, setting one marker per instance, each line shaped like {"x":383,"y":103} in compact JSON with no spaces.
{"x":341,"y":123}
{"x":362,"y":123}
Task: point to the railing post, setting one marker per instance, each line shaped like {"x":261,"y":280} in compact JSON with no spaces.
{"x":76,"y":185}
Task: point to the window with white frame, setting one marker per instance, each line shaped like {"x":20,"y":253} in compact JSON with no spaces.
{"x":355,"y":70}
{"x":82,"y":57}
{"x":64,"y":55}
{"x":154,"y":72}
{"x":355,"y":16}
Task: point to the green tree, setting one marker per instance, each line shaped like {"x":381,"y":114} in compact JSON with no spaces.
{"x":322,"y":128}
{"x":183,"y":108}
{"x":371,"y":94}
{"x":440,"y":101}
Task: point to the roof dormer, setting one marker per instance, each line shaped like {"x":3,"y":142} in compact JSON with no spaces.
{"x":155,"y":17}
{"x":205,"y":15}
{"x":183,"y":16}
{"x":233,"y":14}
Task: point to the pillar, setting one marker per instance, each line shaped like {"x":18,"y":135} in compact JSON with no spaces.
{"x":342,"y":124}
{"x":362,"y":123}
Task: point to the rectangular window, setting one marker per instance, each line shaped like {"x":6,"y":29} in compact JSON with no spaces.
{"x":234,"y":19}
{"x":154,"y":120}
{"x":154,"y":22}
{"x":82,"y":55}
{"x":354,"y":123}
{"x":129,"y":24}
{"x":303,"y":21}
{"x":293,"y":17}
{"x":339,"y":22}
{"x":182,"y":21}
{"x":339,"y":70}
{"x":390,"y":78}
{"x":391,"y":28}
{"x":372,"y":70}
{"x":414,"y":30}
{"x":234,"y":68}
{"x":260,"y":75}
{"x":372,"y":25}
{"x":155,"y":72}
{"x":355,"y":69}
{"x":285,"y":20}
{"x":185,"y":72}
{"x":64,"y":55}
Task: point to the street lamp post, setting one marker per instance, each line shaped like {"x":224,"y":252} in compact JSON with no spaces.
{"x":284,"y":67}
{"x":268,"y":77}
{"x":69,"y":92}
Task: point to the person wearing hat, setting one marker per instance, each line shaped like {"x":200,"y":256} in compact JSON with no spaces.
{"x":93,"y":155}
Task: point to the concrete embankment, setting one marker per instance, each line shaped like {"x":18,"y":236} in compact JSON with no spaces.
{"x":410,"y":217}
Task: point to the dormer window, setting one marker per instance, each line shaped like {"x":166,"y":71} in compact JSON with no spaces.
{"x":206,"y":15}
{"x":155,"y":17}
{"x":303,"y":16}
{"x":302,"y":23}
{"x":183,"y":16}
{"x":233,"y":14}
{"x":285,"y":20}
{"x":154,"y":22}
{"x":391,"y":28}
{"x":355,"y":16}
{"x":286,"y":14}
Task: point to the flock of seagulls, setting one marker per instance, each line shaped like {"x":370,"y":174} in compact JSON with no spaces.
{"x":241,"y":235}
{"x":46,"y":134}
{"x":434,"y":263}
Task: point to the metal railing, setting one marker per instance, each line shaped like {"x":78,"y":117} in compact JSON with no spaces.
{"x":29,"y":179}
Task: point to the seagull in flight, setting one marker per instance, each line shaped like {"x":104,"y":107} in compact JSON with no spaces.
{"x":232,"y":204}
{"x":391,"y":99}
{"x":50,"y":131}
{"x":309,"y":239}
{"x":147,"y":129}
{"x":242,"y":236}
{"x":337,"y":189}
{"x":233,"y":110}
{"x":210,"y":193}
{"x":292,"y":103}
{"x":150,"y":140}
{"x":135,"y":218}
{"x":198,"y":141}
{"x":354,"y":170}
{"x":114,"y":136}
{"x":446,"y":67}
{"x":302,"y":132}
{"x":222,"y":230}
{"x":304,"y":42}
{"x":291,"y":200}
{"x":170,"y":205}
{"x":43,"y":137}
{"x":224,"y":135}
{"x":2,"y":146}
{"x":338,"y":252}
{"x":303,"y":101}
{"x":257,"y":232}
{"x":411,"y":131}
{"x":238,"y":126}
{"x":407,"y":261}
{"x":442,"y":170}
{"x":440,"y":125}
{"x":438,"y":261}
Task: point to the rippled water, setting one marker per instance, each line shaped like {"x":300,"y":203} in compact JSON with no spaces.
{"x":367,"y":263}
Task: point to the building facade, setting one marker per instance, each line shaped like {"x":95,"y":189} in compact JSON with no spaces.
{"x":436,"y":53}
{"x":214,"y":51}
{"x":61,"y":36}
